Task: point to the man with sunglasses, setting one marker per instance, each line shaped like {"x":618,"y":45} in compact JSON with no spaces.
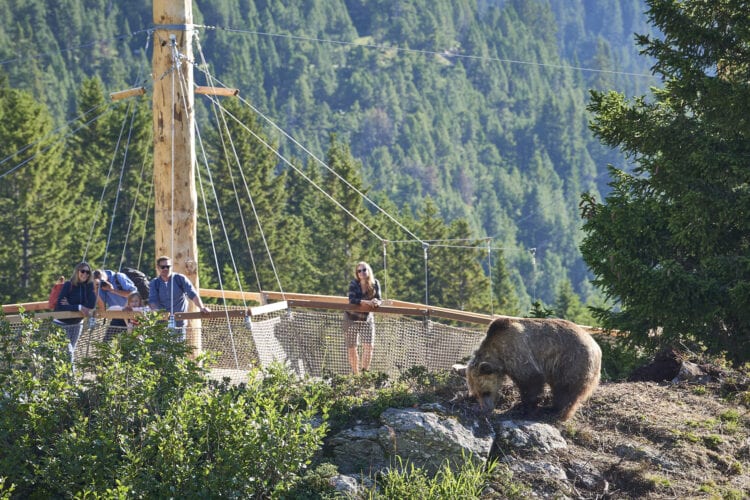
{"x":170,"y":291}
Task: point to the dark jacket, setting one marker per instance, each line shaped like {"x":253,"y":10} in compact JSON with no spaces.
{"x":81,"y":295}
{"x":356,"y":296}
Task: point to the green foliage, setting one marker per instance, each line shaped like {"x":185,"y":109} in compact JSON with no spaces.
{"x":35,"y":251}
{"x":539,"y":310}
{"x":500,"y":148}
{"x":619,"y":358}
{"x":112,"y":158}
{"x":314,"y":485}
{"x":139,"y":419}
{"x":364,"y":396}
{"x":408,"y":481}
{"x":568,"y":306}
{"x":6,"y":491}
{"x":504,"y":290}
{"x":669,"y":243}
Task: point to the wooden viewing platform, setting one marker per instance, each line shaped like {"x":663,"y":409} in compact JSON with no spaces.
{"x":270,"y":301}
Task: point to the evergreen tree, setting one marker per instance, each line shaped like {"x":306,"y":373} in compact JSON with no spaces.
{"x":43,"y":216}
{"x":112,"y":152}
{"x":462,"y":130}
{"x":670,"y":242}
{"x":250,"y":196}
{"x":344,"y":240}
{"x":504,"y":290}
{"x":469,"y":287}
{"x":436,"y":277}
{"x":403,"y":275}
{"x":455,"y":277}
{"x":568,"y":305}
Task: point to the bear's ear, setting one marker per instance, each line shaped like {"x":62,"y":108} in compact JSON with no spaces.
{"x":486,"y":369}
{"x":498,"y":326}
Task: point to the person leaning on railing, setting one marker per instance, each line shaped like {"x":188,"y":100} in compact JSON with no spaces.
{"x":77,"y":294}
{"x":364,"y":290}
{"x":169,"y":291}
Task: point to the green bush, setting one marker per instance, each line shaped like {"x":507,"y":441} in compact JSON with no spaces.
{"x":139,"y":418}
{"x":413,"y":482}
{"x":619,"y":359}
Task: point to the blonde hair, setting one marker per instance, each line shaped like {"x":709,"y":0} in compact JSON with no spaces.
{"x":74,"y":279}
{"x":368,"y":289}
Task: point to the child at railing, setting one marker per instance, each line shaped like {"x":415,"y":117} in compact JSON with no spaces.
{"x":135,"y":303}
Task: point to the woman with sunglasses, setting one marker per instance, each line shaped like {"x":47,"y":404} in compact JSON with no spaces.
{"x":77,"y":295}
{"x":364,"y":290}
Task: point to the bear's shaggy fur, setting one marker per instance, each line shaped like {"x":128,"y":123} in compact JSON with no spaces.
{"x":532,"y":353}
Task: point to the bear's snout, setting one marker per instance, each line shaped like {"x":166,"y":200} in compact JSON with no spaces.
{"x":486,"y":402}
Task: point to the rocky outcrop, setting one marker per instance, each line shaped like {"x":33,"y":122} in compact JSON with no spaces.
{"x":426,"y":439}
{"x":429,"y":436}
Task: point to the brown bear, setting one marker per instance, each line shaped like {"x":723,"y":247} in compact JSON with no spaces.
{"x":532,"y":353}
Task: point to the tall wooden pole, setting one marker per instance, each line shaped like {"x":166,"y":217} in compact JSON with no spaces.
{"x":175,"y":196}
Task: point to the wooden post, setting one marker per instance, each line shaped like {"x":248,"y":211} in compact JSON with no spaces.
{"x":175,"y":196}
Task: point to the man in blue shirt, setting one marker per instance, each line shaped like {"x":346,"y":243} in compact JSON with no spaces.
{"x":170,"y":291}
{"x":113,"y":289}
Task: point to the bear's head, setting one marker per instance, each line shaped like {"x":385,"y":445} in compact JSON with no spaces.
{"x":484,"y":379}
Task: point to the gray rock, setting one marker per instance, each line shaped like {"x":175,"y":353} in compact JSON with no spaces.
{"x":424,"y":439}
{"x":546,"y":469}
{"x":358,"y":450}
{"x":644,"y":454}
{"x":581,"y":473}
{"x":690,"y":372}
{"x":347,"y":485}
{"x":529,"y":436}
{"x":428,"y":440}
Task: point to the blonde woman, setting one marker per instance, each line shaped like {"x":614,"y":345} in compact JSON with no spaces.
{"x":364,"y":290}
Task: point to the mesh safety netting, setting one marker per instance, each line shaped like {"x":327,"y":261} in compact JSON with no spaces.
{"x":311,"y":342}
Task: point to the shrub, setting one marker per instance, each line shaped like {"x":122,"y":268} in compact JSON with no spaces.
{"x":619,"y":359}
{"x":413,"y":482}
{"x":140,"y":419}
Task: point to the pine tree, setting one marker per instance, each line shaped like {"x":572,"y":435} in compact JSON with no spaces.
{"x":504,"y":290}
{"x":346,"y":236}
{"x":568,"y":305}
{"x":250,"y":196}
{"x":670,"y":242}
{"x":111,"y":151}
{"x":43,"y":217}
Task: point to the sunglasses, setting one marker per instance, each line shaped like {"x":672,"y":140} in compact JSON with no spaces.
{"x":85,"y":271}
{"x":361,"y":270}
{"x":165,"y":267}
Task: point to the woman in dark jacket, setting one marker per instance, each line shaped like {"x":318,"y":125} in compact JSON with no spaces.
{"x":78,"y":294}
{"x":364,"y":290}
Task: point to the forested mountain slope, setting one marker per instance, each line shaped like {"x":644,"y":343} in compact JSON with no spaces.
{"x":478,"y":105}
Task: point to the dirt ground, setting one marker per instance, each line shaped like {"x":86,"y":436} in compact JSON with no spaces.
{"x":651,"y":440}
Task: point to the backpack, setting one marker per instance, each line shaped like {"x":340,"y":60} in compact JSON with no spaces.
{"x":54,"y":294}
{"x":140,"y":280}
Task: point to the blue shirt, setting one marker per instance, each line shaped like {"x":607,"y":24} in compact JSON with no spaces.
{"x":119,"y":281}
{"x":171,"y":295}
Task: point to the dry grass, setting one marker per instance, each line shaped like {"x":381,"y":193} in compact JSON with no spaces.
{"x":649,"y":440}
{"x":640,"y":440}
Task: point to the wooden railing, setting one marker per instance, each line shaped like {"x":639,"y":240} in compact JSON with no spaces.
{"x":272,"y":301}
